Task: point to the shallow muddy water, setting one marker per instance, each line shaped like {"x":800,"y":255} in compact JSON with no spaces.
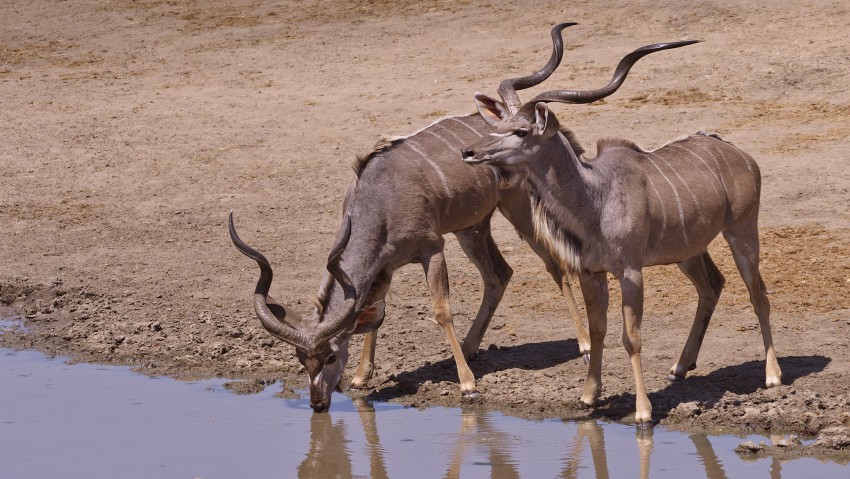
{"x":84,"y":420}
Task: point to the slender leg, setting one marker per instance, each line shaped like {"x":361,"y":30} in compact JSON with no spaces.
{"x":438,"y":283}
{"x":631,"y":284}
{"x":377,"y":465}
{"x":594,"y":287}
{"x":366,"y":367}
{"x":582,"y":335}
{"x":645,"y":444}
{"x":745,"y":250}
{"x":480,"y":248}
{"x":516,"y":207}
{"x":708,"y":280}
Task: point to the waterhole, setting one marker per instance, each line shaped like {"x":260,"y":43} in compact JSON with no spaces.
{"x":91,"y":421}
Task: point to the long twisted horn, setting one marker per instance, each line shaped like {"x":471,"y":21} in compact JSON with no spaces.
{"x":328,"y":329}
{"x":574,"y":96}
{"x":273,"y":323}
{"x":507,"y":89}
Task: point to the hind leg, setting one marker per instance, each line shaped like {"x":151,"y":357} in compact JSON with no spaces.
{"x":708,"y":281}
{"x":745,"y":249}
{"x":480,"y":248}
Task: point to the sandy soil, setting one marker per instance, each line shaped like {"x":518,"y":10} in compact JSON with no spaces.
{"x":130,"y":129}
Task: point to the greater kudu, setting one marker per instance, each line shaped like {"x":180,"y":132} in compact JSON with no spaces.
{"x":406,"y":194}
{"x":629,"y":208}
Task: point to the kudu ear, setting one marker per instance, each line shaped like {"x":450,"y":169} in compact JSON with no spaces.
{"x":545,"y":123}
{"x":493,"y":111}
{"x":370,"y":318}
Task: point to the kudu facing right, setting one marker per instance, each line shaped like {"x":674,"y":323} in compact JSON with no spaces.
{"x":629,"y":208}
{"x":405,"y":196}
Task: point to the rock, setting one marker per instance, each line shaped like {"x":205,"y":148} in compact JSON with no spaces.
{"x":689,"y":409}
{"x":837,"y":437}
{"x":749,"y":447}
{"x":789,"y":441}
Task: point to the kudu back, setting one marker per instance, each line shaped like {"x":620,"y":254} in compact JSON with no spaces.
{"x":629,"y":208}
{"x":406,"y":194}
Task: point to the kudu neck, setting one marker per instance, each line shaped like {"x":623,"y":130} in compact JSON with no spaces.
{"x":563,"y":186}
{"x":556,"y":170}
{"x":360,"y":261}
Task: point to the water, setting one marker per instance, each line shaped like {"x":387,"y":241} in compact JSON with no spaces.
{"x":90,"y":421}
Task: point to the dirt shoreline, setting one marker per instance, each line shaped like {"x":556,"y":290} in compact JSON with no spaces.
{"x":130,"y":130}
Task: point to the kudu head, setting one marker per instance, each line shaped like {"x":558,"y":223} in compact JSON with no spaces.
{"x":321,"y":343}
{"x":523,"y":129}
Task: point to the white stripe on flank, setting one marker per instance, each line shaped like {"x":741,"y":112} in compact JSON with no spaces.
{"x":467,"y":126}
{"x":718,"y":185}
{"x":676,"y":194}
{"x":410,"y":142}
{"x":717,"y":157}
{"x":661,"y":202}
{"x":443,"y":140}
{"x":445,"y":118}
{"x":687,"y":187}
{"x":451,"y":133}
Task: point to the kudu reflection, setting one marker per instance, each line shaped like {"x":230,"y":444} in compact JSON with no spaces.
{"x":330,"y":454}
{"x":406,"y":194}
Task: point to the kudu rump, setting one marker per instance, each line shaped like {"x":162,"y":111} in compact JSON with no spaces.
{"x":629,"y":208}
{"x":406,"y":194}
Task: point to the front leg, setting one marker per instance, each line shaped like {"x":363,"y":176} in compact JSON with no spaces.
{"x":366,"y":368}
{"x":438,"y":282}
{"x":594,"y":288}
{"x":631,"y":285}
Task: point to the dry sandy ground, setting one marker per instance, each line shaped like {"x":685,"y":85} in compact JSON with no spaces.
{"x":130,"y":129}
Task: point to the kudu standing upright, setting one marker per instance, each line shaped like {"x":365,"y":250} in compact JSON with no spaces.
{"x":629,"y":208}
{"x":406,"y":194}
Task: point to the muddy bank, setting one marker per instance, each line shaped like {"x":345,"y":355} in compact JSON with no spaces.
{"x":130,"y":130}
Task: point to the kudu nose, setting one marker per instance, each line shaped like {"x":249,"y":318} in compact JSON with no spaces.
{"x":467,"y":153}
{"x":318,"y":406}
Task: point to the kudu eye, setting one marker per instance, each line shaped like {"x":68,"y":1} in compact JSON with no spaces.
{"x":331,"y":359}
{"x":521,"y":133}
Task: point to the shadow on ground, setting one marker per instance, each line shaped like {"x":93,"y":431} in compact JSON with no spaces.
{"x":530,"y":356}
{"x":740,"y":379}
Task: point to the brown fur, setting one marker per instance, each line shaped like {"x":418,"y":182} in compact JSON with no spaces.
{"x":608,"y":143}
{"x":383,"y":144}
{"x":573,"y":141}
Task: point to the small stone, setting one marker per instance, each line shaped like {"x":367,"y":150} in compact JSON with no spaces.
{"x":749,"y":447}
{"x":789,"y":441}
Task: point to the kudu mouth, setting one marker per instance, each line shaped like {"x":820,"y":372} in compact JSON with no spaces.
{"x":470,"y":157}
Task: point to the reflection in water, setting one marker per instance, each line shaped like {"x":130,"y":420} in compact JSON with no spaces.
{"x":481,"y":444}
{"x":146,"y":427}
{"x":328,"y":455}
{"x":476,"y":431}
